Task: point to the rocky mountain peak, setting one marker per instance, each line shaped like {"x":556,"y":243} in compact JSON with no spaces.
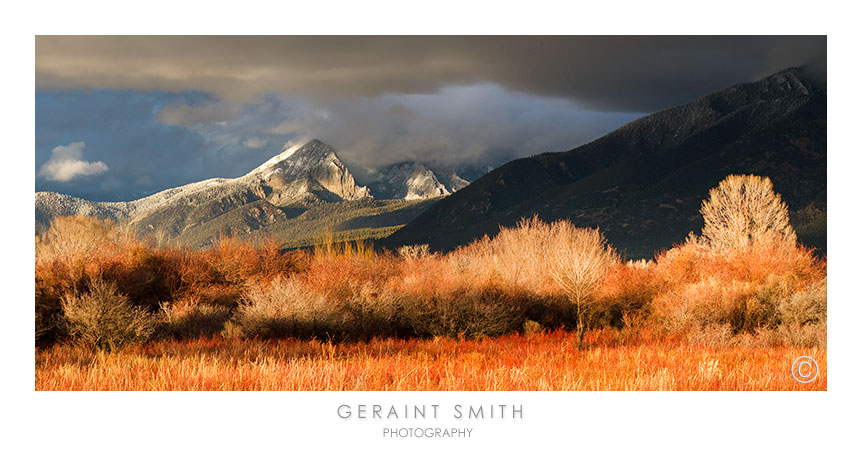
{"x":413,"y":180}
{"x":306,"y":168}
{"x":299,"y":157}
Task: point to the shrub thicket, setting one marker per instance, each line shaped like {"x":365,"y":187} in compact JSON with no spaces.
{"x":745,"y":281}
{"x":203,"y":284}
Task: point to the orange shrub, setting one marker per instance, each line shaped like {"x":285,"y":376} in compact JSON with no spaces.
{"x":76,"y":251}
{"x":342,"y":277}
{"x":709,"y":301}
{"x":746,"y":288}
{"x":487,"y":288}
{"x":236,"y":261}
{"x":626,"y":292}
{"x":692,"y":261}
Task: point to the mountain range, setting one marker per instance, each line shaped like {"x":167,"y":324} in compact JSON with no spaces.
{"x":643,"y":184}
{"x":293,"y":198}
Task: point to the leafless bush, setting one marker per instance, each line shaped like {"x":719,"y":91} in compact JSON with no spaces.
{"x":541,"y":261}
{"x":528,"y":255}
{"x":519,"y":254}
{"x":794,"y":335}
{"x":286,"y":307}
{"x":72,"y":239}
{"x":376,"y":311}
{"x":49,"y":319}
{"x":105,"y":318}
{"x":708,"y":302}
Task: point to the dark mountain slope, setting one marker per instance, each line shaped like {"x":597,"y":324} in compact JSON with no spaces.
{"x":643,"y":183}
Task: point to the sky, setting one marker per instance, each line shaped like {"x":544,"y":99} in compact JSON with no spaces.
{"x":119,"y":117}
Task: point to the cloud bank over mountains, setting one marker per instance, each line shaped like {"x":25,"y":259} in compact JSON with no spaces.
{"x":608,"y":73}
{"x":162,"y":111}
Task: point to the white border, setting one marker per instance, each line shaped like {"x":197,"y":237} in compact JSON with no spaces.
{"x":240,"y":421}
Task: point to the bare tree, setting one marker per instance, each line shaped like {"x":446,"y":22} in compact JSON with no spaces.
{"x":579,"y":260}
{"x":743,"y":210}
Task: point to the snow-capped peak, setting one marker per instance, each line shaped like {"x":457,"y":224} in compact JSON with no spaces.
{"x":312,"y":163}
{"x":288,"y":151}
{"x":298,"y":157}
{"x":413,"y":180}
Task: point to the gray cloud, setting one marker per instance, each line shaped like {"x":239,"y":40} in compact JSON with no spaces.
{"x":398,"y":112}
{"x":476,"y":126}
{"x":609,"y":73}
{"x":188,"y":115}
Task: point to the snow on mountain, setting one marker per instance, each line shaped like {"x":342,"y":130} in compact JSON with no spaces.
{"x":413,"y":180}
{"x":50,"y":205}
{"x":314,"y":161}
{"x":302,"y":176}
{"x":452,"y":180}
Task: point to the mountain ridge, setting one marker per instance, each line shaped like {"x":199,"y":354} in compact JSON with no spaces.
{"x":300,"y":179}
{"x":642,"y":183}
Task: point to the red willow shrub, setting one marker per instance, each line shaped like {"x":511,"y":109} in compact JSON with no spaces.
{"x":771,"y":289}
{"x":76,"y":251}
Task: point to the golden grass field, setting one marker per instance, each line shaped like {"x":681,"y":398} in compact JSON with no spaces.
{"x":541,"y":362}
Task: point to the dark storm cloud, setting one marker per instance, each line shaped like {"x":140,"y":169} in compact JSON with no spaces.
{"x":474,"y":126}
{"x":117,"y":117}
{"x":633,"y":74}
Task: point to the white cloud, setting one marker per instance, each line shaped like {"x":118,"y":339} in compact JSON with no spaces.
{"x":254,"y":143}
{"x":66,"y":164}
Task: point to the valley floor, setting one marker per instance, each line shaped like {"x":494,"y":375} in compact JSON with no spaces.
{"x":544,"y":361}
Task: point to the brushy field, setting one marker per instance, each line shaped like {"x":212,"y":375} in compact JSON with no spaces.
{"x":539,"y":362}
{"x":538,"y":306}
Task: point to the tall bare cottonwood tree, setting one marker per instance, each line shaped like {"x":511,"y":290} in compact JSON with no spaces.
{"x":579,"y":260}
{"x":743,"y":210}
